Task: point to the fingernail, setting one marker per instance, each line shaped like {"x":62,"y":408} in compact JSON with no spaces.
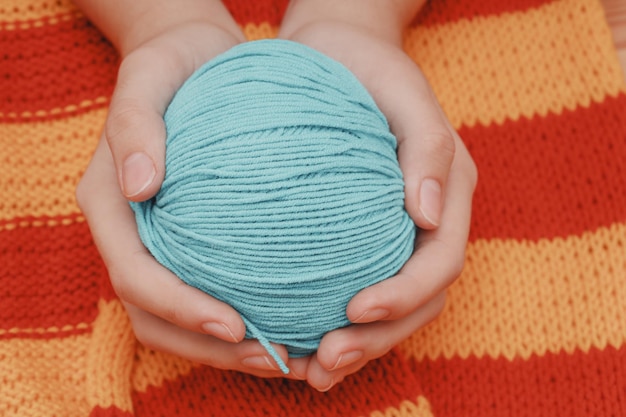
{"x":220,"y":330}
{"x":328,"y":387}
{"x":430,"y":201}
{"x":259,"y":362}
{"x":373,"y":315}
{"x":138,"y":173}
{"x":347,"y":358}
{"x":296,"y":375}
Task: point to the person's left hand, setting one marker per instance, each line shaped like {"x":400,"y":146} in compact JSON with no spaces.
{"x":440,"y":178}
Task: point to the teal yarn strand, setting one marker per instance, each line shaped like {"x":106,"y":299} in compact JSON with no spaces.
{"x":283,"y":196}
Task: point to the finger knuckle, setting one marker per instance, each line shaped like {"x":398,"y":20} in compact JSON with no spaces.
{"x":175,"y":310}
{"x":122,"y":120}
{"x":440,"y":145}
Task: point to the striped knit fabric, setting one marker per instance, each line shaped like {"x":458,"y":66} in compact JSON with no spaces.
{"x":535,"y":326}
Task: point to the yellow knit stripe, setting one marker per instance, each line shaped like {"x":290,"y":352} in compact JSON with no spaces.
{"x":255,"y":32}
{"x":153,"y":369}
{"x":31,"y":24}
{"x":22,"y":10}
{"x":420,"y":408}
{"x":110,"y":358}
{"x":81,"y":371}
{"x":502,"y":73}
{"x":41,"y":163}
{"x":40,"y":376}
{"x":518,"y":298}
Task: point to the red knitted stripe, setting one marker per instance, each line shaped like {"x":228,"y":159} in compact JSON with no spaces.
{"x":439,"y":12}
{"x":53,"y":66}
{"x":381,"y":384}
{"x":578,"y":384}
{"x":526,"y":190}
{"x":257,"y":12}
{"x":50,"y":277}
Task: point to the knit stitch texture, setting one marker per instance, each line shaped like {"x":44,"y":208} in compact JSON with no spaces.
{"x":535,"y":324}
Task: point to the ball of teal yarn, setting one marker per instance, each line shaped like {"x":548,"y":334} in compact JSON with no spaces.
{"x":282,"y":196}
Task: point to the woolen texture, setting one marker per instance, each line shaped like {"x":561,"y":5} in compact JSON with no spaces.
{"x":282,"y":196}
{"x":534,"y":326}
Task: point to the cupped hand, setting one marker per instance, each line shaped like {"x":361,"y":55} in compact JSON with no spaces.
{"x":148,"y":78}
{"x":165,"y":313}
{"x":440,"y":178}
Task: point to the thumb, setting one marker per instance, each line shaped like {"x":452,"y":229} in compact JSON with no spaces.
{"x":426,"y":150}
{"x":426,"y":141}
{"x":136,"y":137}
{"x":134,"y":130}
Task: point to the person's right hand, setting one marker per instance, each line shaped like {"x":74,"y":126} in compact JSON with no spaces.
{"x":166,"y":314}
{"x":128,"y":164}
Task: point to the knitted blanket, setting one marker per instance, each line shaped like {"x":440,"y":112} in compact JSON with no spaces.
{"x":536,"y":324}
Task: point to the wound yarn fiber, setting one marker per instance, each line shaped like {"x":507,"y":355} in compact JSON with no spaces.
{"x":282,"y":196}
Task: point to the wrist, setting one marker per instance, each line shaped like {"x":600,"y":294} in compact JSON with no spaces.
{"x":384,"y":19}
{"x":129,"y":24}
{"x":158,"y":20}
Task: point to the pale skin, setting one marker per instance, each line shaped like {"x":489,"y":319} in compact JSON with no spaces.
{"x":161,"y":44}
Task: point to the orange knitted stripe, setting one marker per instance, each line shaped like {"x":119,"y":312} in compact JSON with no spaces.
{"x":91,"y":371}
{"x":25,"y":10}
{"x":577,"y":384}
{"x":488,"y":70}
{"x":110,"y":412}
{"x":39,"y":21}
{"x":39,"y":376}
{"x":41,"y":163}
{"x":420,"y":408}
{"x":110,"y":358}
{"x":519,"y":298}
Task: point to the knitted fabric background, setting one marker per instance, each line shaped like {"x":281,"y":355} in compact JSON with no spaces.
{"x":534,"y":326}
